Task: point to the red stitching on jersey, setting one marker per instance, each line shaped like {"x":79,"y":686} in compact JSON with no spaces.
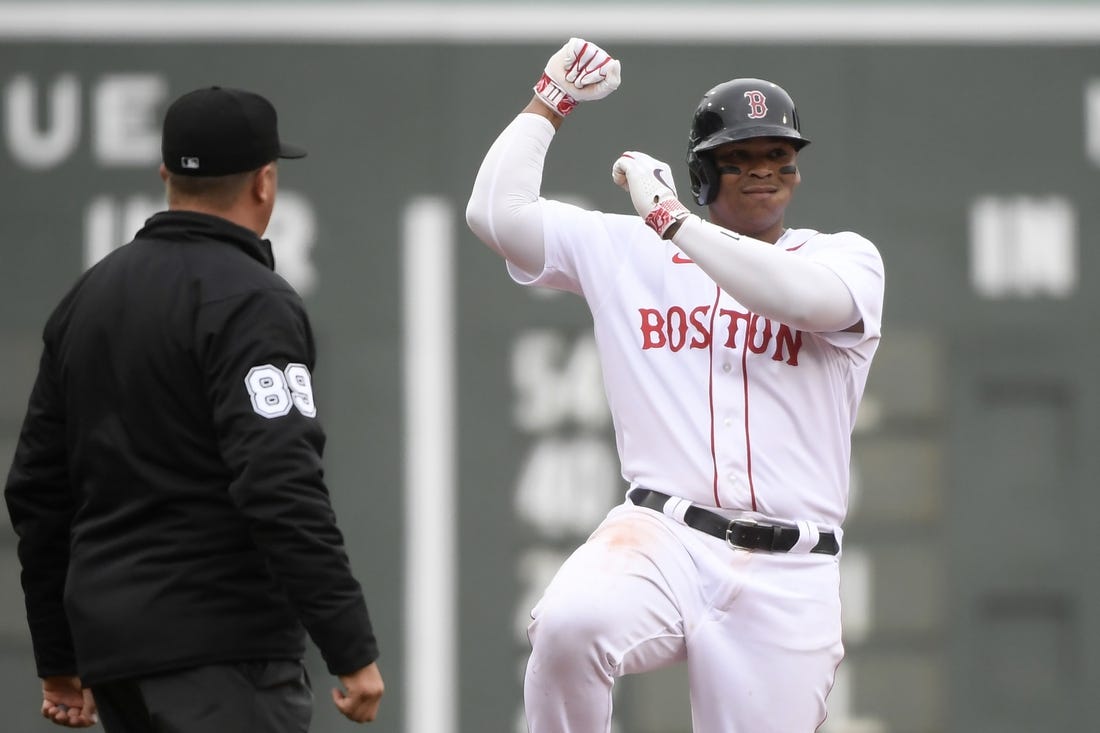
{"x":803,"y":243}
{"x":745,"y":382}
{"x":710,"y":394}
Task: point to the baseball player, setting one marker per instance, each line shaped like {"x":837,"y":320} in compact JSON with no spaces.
{"x":735,"y":351}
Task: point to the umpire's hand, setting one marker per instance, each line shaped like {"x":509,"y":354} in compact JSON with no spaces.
{"x":65,"y":701}
{"x":362,"y":692}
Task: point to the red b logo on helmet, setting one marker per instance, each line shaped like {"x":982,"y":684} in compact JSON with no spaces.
{"x":757,"y":107}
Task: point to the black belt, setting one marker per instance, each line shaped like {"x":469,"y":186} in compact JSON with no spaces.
{"x":737,"y":532}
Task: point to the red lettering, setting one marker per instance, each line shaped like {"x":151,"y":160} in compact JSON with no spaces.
{"x":793,"y":342}
{"x":653,"y":328}
{"x":758,"y":108}
{"x":702,"y":340}
{"x":677,"y":334}
{"x":754,"y":332}
{"x":735,"y":318}
{"x":678,"y":327}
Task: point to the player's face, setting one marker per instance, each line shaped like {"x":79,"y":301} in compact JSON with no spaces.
{"x":758,"y":177}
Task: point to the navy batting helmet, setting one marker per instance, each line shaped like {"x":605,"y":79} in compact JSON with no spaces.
{"x":736,"y":110}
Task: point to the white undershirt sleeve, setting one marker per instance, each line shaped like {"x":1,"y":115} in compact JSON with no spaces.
{"x":770,"y":281}
{"x":504,"y":209}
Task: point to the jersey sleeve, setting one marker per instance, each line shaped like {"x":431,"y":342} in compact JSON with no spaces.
{"x":585,"y":249}
{"x":257,"y":353}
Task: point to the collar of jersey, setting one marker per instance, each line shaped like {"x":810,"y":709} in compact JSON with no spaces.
{"x":198,"y":226}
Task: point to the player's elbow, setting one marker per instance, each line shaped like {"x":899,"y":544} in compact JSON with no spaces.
{"x":478,"y":218}
{"x":825,"y":315}
{"x":513,"y":232}
{"x":824,"y":307}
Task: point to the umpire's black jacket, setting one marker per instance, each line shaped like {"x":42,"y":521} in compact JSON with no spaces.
{"x":167,"y":487}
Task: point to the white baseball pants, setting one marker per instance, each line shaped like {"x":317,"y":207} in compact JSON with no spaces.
{"x":760,"y":632}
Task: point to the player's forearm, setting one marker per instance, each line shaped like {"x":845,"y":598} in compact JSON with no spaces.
{"x":503,"y":210}
{"x":770,"y":281}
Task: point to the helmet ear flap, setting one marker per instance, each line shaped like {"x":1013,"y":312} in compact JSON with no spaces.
{"x":704,"y":178}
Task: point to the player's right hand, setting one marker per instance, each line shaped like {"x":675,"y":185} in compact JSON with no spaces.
{"x":579,"y":72}
{"x":362,"y":693}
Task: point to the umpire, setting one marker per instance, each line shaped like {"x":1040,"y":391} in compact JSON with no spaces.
{"x":175,"y":531}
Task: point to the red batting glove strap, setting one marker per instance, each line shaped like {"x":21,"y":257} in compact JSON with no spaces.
{"x":554,"y":96}
{"x":665,"y":214}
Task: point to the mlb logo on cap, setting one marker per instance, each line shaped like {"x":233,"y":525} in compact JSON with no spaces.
{"x":192,"y":163}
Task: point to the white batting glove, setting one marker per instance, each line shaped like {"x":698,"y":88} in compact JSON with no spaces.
{"x":579,"y":72}
{"x":651,"y":188}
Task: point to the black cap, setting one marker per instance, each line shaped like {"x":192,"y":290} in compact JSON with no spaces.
{"x":217,"y":131}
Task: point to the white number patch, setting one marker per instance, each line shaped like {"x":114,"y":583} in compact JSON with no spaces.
{"x":274,"y":392}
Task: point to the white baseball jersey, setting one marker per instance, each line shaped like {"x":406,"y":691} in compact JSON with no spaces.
{"x":712,"y":402}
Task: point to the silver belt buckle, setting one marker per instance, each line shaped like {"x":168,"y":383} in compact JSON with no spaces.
{"x":733,"y":523}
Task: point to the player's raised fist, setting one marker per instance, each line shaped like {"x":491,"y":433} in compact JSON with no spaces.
{"x":651,"y":188}
{"x":579,"y":72}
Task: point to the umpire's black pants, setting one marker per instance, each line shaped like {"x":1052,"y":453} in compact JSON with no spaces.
{"x":244,"y":697}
